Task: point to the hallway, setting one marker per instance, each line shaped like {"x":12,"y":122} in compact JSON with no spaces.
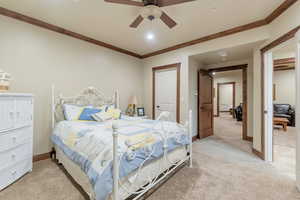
{"x":229,"y":130}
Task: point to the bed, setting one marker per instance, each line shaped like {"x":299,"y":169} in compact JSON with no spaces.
{"x":117,"y":159}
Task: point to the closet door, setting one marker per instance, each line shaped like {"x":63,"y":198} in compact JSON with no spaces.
{"x":23,"y":112}
{"x":7,"y":113}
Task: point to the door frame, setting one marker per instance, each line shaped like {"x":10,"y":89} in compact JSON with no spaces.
{"x":297,"y":69}
{"x":284,"y":38}
{"x":218,"y":95}
{"x":244,"y":68}
{"x":154,"y":69}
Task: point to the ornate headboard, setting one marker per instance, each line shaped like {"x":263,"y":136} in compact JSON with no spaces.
{"x":89,"y":96}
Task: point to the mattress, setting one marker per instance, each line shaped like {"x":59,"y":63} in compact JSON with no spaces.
{"x":150,"y":171}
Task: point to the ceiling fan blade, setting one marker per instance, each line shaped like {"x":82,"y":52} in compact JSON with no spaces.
{"x":137,"y":22}
{"x":168,"y":20}
{"x":126,"y":2}
{"x":162,"y":3}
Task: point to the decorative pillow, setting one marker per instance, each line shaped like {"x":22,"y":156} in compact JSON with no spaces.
{"x":87,"y":113}
{"x":102,"y":116}
{"x":72,"y":112}
{"x":109,"y":106}
{"x":115,"y":113}
{"x":108,"y":115}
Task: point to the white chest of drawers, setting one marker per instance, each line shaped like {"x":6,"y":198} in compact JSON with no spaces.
{"x":16,"y":135}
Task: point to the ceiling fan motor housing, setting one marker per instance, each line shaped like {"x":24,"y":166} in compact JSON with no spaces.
{"x":151,"y":12}
{"x":149,"y":2}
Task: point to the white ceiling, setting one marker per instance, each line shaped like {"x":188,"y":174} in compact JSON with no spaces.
{"x":110,"y":22}
{"x":238,"y":53}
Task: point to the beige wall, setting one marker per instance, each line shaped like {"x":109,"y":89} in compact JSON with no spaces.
{"x":36,"y":58}
{"x":194,"y":67}
{"x":289,"y":20}
{"x":224,"y":77}
{"x":285,"y":84}
{"x":182,"y":56}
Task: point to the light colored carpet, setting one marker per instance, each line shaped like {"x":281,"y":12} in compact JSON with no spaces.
{"x":285,"y":151}
{"x":220,"y":173}
{"x":287,"y":139}
{"x":229,"y":130}
{"x":223,"y":170}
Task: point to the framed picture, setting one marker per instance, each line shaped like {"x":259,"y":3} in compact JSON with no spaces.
{"x":140,"y":112}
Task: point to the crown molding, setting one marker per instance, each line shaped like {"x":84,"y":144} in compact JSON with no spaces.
{"x":281,"y":39}
{"x":276,"y":13}
{"x":284,"y":61}
{"x":51,"y":27}
{"x":281,"y":9}
{"x":270,"y":18}
{"x":209,"y":37}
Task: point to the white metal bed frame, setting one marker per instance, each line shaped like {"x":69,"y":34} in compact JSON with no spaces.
{"x":92,"y":96}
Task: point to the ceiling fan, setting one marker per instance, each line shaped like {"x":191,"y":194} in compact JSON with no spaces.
{"x":151,"y":10}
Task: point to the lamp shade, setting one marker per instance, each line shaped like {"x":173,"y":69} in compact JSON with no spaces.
{"x":133,"y":100}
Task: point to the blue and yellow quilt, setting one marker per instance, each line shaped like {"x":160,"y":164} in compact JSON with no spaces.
{"x":90,"y":145}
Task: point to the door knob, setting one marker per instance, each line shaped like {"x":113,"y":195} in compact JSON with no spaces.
{"x":157,"y":106}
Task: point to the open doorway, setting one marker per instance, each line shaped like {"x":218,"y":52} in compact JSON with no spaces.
{"x":225,"y":98}
{"x":284,"y":101}
{"x":229,"y":73}
{"x":230,"y":105}
{"x":280,"y":101}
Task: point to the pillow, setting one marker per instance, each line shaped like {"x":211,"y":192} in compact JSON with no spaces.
{"x":72,"y":112}
{"x":87,"y":113}
{"x":108,"y":115}
{"x":102,"y":116}
{"x":115,"y":113}
{"x":109,"y":106}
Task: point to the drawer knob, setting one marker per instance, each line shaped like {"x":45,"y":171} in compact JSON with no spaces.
{"x":13,"y":156}
{"x":14,"y":139}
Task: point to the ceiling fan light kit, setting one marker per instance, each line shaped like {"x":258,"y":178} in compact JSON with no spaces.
{"x":151,"y":10}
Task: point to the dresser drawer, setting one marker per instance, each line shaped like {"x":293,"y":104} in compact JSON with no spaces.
{"x":13,"y":156}
{"x":14,"y":138}
{"x":11,"y":174}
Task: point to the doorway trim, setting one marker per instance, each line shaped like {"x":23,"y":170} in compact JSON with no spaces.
{"x":284,"y":38}
{"x":154,"y":69}
{"x":218,"y":95}
{"x":244,"y":68}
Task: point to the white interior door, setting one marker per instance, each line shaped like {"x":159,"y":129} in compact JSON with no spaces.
{"x":166,"y":92}
{"x":268,"y":105}
{"x":226,"y":97}
{"x":298,"y":109}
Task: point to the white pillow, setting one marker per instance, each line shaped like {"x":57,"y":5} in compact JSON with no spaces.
{"x":72,"y":112}
{"x":109,"y":106}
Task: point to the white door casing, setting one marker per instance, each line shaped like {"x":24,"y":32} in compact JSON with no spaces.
{"x":268,"y":105}
{"x":166,"y":92}
{"x":297,"y":39}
